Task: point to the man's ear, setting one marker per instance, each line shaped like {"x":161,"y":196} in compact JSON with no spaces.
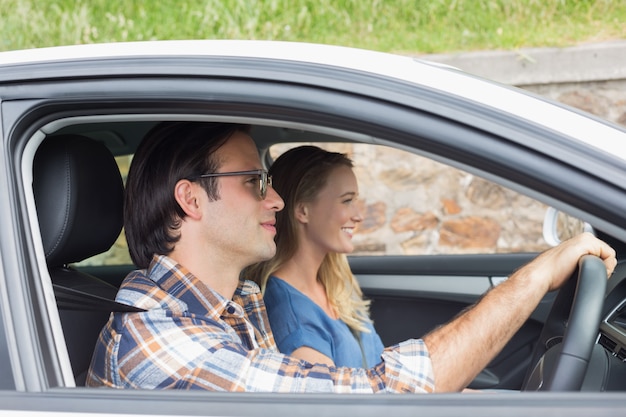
{"x":186,"y":194}
{"x":302,"y":213}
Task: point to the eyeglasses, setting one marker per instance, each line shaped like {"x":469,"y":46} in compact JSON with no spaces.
{"x":265,"y":179}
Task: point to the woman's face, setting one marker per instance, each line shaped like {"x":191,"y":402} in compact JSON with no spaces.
{"x":330,"y":219}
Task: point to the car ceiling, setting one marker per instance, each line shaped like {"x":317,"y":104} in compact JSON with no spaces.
{"x":123,"y":138}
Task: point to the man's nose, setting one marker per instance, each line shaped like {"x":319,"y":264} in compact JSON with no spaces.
{"x":275,"y":201}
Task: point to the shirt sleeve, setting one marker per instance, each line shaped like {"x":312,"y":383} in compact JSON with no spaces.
{"x":313,"y":338}
{"x":294,"y":327}
{"x":182,"y":352}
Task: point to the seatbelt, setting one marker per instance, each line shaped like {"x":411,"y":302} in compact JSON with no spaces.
{"x":73,"y":299}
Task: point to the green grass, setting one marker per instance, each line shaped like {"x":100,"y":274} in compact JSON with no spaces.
{"x":404,"y":26}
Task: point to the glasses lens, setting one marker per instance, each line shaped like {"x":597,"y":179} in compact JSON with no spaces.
{"x":263,"y":184}
{"x":265,"y":181}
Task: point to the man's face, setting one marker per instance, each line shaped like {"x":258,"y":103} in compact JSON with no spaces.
{"x":240,"y":225}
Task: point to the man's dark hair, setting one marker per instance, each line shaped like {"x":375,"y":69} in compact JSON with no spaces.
{"x":171,"y":151}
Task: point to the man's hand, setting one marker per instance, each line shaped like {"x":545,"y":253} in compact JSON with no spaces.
{"x":462,"y":348}
{"x":556,"y":265}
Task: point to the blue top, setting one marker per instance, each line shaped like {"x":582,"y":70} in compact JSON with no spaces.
{"x":297,"y":321}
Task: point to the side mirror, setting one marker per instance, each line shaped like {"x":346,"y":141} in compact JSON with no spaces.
{"x":558,"y":226}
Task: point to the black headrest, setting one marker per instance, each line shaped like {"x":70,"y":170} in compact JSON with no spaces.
{"x":79,"y":197}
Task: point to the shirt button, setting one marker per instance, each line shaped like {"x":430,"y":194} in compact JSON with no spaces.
{"x":230,"y":309}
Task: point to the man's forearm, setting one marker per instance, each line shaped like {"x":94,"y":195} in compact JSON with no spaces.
{"x":460,"y":349}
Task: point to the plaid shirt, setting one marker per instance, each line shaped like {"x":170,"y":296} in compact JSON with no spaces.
{"x":191,"y":337}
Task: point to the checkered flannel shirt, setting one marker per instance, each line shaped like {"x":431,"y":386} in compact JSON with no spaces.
{"x":190,"y":337}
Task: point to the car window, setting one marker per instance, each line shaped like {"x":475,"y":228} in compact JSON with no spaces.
{"x":413,"y":205}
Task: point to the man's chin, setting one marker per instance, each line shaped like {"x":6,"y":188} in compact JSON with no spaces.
{"x":267,"y":254}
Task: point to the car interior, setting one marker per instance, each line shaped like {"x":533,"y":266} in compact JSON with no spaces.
{"x":78,"y":193}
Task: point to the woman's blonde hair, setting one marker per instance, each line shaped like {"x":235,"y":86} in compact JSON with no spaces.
{"x":298,"y":176}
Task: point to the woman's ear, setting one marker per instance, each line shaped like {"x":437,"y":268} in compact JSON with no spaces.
{"x":186,"y":194}
{"x":302,"y":213}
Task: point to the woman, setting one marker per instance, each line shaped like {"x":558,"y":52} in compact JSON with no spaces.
{"x":314,"y":303}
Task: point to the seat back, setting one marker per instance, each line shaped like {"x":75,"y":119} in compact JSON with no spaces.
{"x":79,"y":198}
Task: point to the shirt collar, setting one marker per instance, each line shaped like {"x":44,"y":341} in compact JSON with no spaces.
{"x":180,"y":283}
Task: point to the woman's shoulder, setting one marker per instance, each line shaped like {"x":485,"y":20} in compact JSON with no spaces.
{"x":276,"y":290}
{"x":277,"y":287}
{"x":282,"y":298}
{"x":279,"y":295}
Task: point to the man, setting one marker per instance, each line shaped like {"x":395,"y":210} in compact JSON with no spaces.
{"x":199,"y":208}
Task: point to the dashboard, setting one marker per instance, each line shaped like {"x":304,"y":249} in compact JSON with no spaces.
{"x":608,"y":364}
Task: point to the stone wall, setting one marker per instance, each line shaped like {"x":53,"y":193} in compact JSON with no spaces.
{"x":413,"y":205}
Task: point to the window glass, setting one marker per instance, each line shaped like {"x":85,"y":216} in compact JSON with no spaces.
{"x":413,"y":205}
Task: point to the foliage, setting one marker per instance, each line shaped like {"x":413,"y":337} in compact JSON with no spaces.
{"x":415,"y":26}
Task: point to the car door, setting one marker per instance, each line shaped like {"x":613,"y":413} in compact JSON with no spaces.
{"x":413,"y":296}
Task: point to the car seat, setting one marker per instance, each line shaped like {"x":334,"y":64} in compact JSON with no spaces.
{"x":79,"y":198}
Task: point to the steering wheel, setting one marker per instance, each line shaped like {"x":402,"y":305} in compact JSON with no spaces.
{"x":568,"y":336}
